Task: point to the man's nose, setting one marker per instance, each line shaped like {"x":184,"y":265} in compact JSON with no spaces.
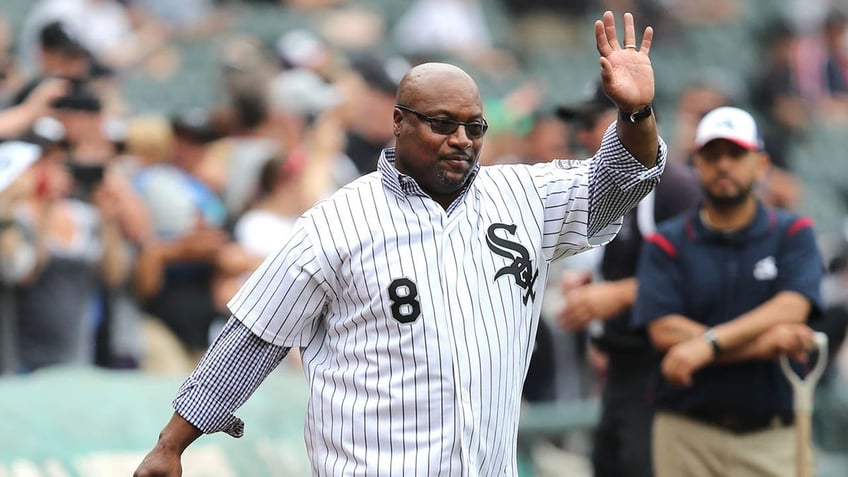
{"x":460,"y":138}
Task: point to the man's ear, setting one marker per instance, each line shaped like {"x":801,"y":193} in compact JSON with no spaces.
{"x":397,"y":119}
{"x":764,"y":165}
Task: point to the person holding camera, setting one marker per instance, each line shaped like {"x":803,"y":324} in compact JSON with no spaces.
{"x":78,"y":249}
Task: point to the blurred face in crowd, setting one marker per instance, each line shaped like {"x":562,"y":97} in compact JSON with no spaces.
{"x":65,"y":65}
{"x":188,"y":152}
{"x":699,"y":99}
{"x":591,"y":128}
{"x":370,"y":109}
{"x":86,"y":134}
{"x":549,"y":139}
{"x":729,"y":172}
{"x":438,"y":159}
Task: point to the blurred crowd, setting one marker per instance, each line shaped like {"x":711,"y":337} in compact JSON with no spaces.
{"x":121,"y":243}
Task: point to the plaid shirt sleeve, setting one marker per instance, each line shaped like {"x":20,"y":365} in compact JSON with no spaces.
{"x":227,"y":375}
{"x":618,"y":181}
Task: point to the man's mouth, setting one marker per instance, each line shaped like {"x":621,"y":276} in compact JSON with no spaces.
{"x":457,"y":158}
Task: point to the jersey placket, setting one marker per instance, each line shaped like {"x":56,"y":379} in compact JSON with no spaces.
{"x":455,"y":301}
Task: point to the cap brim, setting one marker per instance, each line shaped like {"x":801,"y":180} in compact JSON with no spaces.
{"x":739,"y":142}
{"x":569,"y":113}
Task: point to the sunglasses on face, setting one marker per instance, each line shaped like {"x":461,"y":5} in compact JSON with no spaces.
{"x":446,"y":127}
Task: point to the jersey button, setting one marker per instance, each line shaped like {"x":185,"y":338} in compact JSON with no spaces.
{"x":463,"y":395}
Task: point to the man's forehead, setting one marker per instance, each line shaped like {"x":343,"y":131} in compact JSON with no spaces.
{"x":431,"y":79}
{"x":426,"y":70}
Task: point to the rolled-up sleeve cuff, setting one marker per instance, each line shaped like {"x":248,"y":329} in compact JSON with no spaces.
{"x":625,"y":169}
{"x":203,"y":410}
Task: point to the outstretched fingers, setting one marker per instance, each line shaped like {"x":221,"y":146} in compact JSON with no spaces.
{"x":609,"y":30}
{"x":601,"y":39}
{"x":629,"y":31}
{"x":607,"y":39}
{"x":647,"y":38}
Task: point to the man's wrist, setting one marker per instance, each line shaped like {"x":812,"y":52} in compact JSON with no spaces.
{"x":710,"y":337}
{"x":637,"y":115}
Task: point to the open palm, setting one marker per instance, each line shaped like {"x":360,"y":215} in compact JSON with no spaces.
{"x":626,"y":71}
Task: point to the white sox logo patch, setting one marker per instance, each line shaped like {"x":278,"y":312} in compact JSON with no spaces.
{"x":521,"y":267}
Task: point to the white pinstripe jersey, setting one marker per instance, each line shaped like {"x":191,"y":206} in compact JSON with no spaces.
{"x":416,"y":324}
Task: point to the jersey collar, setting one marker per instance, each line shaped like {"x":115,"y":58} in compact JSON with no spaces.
{"x":403,"y":185}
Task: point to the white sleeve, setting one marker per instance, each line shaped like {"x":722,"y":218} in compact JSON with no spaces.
{"x":284,"y":300}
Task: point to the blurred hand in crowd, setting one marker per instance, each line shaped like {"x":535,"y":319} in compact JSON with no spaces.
{"x":202,"y":244}
{"x":572,"y":281}
{"x":16,"y":120}
{"x":592,"y":301}
{"x":48,"y":91}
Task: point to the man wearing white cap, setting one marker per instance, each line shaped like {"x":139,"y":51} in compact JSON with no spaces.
{"x":726,"y":289}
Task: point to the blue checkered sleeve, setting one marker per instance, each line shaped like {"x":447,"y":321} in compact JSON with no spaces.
{"x":618,"y":181}
{"x":227,"y":375}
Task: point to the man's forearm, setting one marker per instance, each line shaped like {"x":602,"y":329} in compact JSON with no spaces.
{"x":617,"y":297}
{"x":177,"y":435}
{"x":736,"y":337}
{"x":784,"y":308}
{"x":746,"y":352}
{"x":673,"y":329}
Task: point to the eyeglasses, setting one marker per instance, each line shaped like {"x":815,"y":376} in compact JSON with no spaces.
{"x":446,"y":127}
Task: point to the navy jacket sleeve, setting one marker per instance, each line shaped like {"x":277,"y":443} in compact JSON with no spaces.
{"x":800,"y":266}
{"x":660,"y":281}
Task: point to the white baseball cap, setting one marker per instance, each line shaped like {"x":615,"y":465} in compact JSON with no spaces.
{"x":15,"y":158}
{"x":302,"y":91}
{"x":733,"y":124}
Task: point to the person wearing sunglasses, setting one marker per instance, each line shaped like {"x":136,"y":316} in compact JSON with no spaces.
{"x":414,"y":292}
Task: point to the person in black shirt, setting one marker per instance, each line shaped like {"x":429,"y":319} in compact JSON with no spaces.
{"x":622,"y":443}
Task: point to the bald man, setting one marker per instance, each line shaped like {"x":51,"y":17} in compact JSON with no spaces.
{"x":414,"y":293}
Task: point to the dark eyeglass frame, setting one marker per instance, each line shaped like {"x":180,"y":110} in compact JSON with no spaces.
{"x":446,"y":127}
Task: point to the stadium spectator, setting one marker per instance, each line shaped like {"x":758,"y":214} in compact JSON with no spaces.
{"x":287,"y":187}
{"x":370,"y":90}
{"x":80,"y":253}
{"x":776,"y":93}
{"x":177,"y":264}
{"x":18,"y":256}
{"x":545,"y":136}
{"x":17,"y":250}
{"x":697,"y":98}
{"x":457,"y":28}
{"x":105,"y":28}
{"x":61,"y":55}
{"x":622,"y":438}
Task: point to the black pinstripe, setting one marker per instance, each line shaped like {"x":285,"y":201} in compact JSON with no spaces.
{"x":439,"y":395}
